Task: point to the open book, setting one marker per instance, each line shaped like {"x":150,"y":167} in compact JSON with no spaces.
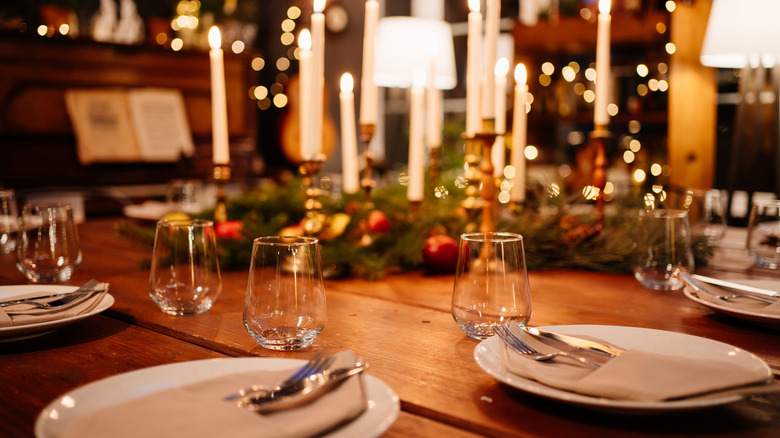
{"x":129,"y":125}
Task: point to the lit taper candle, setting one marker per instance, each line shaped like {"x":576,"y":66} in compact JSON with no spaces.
{"x":499,"y":149}
{"x":414,"y":191}
{"x":318,"y":72}
{"x":600,"y":116}
{"x":473,"y":59}
{"x":492,"y":21}
{"x":369,"y":95}
{"x":519,"y":132}
{"x":349,"y":165}
{"x":306,"y":110}
{"x":220,"y":148}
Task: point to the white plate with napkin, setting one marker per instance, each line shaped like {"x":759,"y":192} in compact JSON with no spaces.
{"x":36,"y":322}
{"x":146,"y":400}
{"x":620,"y":385}
{"x":740,"y":307}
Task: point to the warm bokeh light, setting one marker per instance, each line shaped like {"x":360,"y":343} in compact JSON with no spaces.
{"x":590,"y":192}
{"x":589,"y":96}
{"x":642,"y":70}
{"x":288,"y":25}
{"x":568,"y":74}
{"x":575,"y":66}
{"x":548,"y":68}
{"x":258,"y":63}
{"x":261,"y":92}
{"x":161,"y":38}
{"x":554,"y":190}
{"x":237,"y":47}
{"x":612,"y":109}
{"x":655,"y":169}
{"x":282,"y":64}
{"x":177,"y":44}
{"x":509,"y":172}
{"x":641,"y":90}
{"x":293,"y":12}
{"x":660,"y":27}
{"x":287,"y":38}
{"x":280,"y":100}
{"x":662,"y":68}
{"x":670,"y":6}
{"x":530,"y":152}
{"x":42,"y":29}
{"x":670,"y":48}
{"x":609,"y":188}
{"x":634,"y":126}
{"x":663,"y":85}
{"x":545,"y":80}
{"x":64,"y":29}
{"x":590,"y":74}
{"x":628,"y":157}
{"x":652,"y":84}
{"x":639,"y":176}
{"x":579,"y":88}
{"x":634,"y":145}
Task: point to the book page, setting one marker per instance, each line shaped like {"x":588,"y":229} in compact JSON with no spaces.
{"x":101,"y":122}
{"x":160,"y":122}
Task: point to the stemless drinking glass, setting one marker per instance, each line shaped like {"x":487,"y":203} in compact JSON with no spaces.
{"x":763,"y":240}
{"x":284,"y":306}
{"x":48,"y":249}
{"x":707,"y":214}
{"x":491,"y":283}
{"x":663,"y":247}
{"x":9,"y":221}
{"x":185,"y":277}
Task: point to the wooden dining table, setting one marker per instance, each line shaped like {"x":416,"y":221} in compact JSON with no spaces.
{"x":402,"y":326}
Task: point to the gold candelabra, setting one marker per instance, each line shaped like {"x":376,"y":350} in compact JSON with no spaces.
{"x":367,"y":182}
{"x":315,"y":220}
{"x":599,"y":137}
{"x":221,"y":174}
{"x":472,"y":203}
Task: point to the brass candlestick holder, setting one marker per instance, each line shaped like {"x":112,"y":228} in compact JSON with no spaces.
{"x":221,"y":174}
{"x":433,"y":167}
{"x":315,"y":220}
{"x":487,"y":189}
{"x":472,"y":203}
{"x":599,"y":137}
{"x":367,"y":182}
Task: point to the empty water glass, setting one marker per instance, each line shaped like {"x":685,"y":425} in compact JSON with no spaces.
{"x":763,"y":240}
{"x":284,"y":306}
{"x":9,"y":221}
{"x":663,"y":247}
{"x":491,"y":283}
{"x":706,"y":214}
{"x":185,"y":277}
{"x":48,"y":249}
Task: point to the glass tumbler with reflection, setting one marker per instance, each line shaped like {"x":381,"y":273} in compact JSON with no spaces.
{"x":663,"y":247}
{"x":284,"y":306}
{"x":9,"y":221}
{"x":763,"y":240}
{"x":48,"y":249}
{"x":491,"y":283}
{"x":184,"y":277}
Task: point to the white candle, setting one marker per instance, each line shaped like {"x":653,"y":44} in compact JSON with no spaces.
{"x":601,"y":117}
{"x":492,"y":18}
{"x":432,"y":98}
{"x":220,"y":148}
{"x":519,"y":131}
{"x":318,"y":73}
{"x":305,"y":91}
{"x":499,"y":149}
{"x":369,"y":95}
{"x":473,"y":121}
{"x":349,"y":165}
{"x":414,"y":191}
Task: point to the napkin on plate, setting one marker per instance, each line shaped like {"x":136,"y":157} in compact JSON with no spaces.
{"x":22,"y":314}
{"x":741,"y":303}
{"x":199,"y":410}
{"x":635,"y":375}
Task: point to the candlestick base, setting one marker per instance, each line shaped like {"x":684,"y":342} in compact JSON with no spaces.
{"x":367,"y":182}
{"x":472,"y":202}
{"x":487,"y":189}
{"x":314,"y":220}
{"x":221,"y":174}
{"x":599,"y":137}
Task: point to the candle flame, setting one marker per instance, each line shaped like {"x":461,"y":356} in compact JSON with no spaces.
{"x":605,"y":6}
{"x":215,"y":38}
{"x":520,"y":74}
{"x":474,"y":5}
{"x":347,"y":83}
{"x":419,"y":77}
{"x":304,"y":39}
{"x":319,"y":6}
{"x":502,"y":67}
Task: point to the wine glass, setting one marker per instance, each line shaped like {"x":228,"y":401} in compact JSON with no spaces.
{"x":491,"y":283}
{"x":49,"y":249}
{"x":763,"y":239}
{"x":663,"y":247}
{"x":9,"y":221}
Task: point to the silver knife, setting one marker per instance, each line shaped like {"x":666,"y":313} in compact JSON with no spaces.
{"x":585,"y":347}
{"x":697,"y":286}
{"x":737,"y":287}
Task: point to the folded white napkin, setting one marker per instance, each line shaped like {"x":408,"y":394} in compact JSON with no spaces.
{"x":741,"y":303}
{"x":199,"y":410}
{"x":22,"y":314}
{"x":634,"y":375}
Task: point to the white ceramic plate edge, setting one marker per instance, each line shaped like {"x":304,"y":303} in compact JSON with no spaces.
{"x":14,"y":333}
{"x":382,"y":411}
{"x":767,"y":319}
{"x":488,"y":357}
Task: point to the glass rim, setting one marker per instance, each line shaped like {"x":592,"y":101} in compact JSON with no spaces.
{"x":766,"y":202}
{"x":47,"y":205}
{"x":186,"y":222}
{"x":285,"y":240}
{"x":492,"y":236}
{"x":670,"y":213}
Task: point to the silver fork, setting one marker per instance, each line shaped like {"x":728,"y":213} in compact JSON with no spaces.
{"x":316,"y":364}
{"x":87,"y":288}
{"x":514,"y":342}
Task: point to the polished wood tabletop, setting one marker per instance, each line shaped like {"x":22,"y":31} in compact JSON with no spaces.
{"x":403,"y":328}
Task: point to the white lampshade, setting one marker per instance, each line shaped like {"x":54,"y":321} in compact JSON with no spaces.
{"x":406,"y":44}
{"x":742,"y":32}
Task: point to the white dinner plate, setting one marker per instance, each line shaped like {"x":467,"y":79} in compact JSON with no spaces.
{"x":26,"y":331}
{"x":488,"y":356}
{"x":382,"y":410}
{"x":756,"y":316}
{"x":148,"y":210}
